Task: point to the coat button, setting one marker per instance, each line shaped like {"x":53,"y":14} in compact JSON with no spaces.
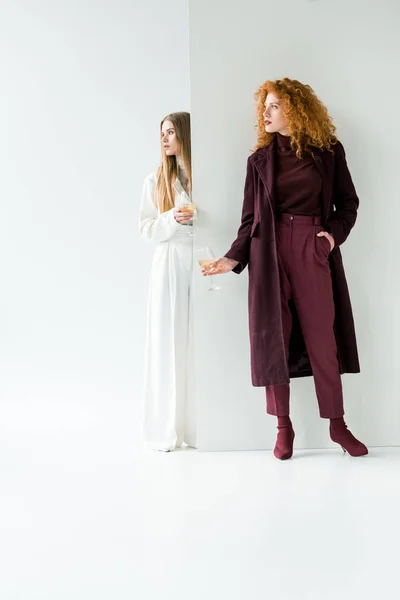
{"x":291,"y":217}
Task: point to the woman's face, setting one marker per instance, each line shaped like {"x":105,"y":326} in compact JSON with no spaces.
{"x":274,"y":119}
{"x":168,"y":139}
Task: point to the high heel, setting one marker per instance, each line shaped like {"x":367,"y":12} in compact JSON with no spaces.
{"x":284,"y":443}
{"x":341,"y":435}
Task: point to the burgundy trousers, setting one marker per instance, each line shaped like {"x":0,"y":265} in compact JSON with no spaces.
{"x":305,"y":278}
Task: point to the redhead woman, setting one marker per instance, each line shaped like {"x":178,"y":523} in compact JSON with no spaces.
{"x":299,"y":207}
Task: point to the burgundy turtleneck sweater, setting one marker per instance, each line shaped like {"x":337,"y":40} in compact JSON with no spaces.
{"x":298,"y":184}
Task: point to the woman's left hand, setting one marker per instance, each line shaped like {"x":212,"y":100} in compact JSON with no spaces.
{"x":328,"y":237}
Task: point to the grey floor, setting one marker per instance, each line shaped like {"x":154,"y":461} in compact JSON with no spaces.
{"x":82,"y":518}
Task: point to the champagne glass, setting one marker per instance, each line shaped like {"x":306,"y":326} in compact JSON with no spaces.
{"x":205,"y":256}
{"x":187,"y":206}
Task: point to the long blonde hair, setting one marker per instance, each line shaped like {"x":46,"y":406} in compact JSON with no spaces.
{"x":168,"y":171}
{"x":309,"y":123}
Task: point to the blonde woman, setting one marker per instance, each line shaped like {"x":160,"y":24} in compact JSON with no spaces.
{"x":169,"y":411}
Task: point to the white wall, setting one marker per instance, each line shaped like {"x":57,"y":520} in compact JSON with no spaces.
{"x":348,"y":52}
{"x":84,"y":87}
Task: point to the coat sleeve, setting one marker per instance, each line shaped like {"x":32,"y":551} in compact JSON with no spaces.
{"x":240,"y":249}
{"x":345,"y":199}
{"x":154,"y":227}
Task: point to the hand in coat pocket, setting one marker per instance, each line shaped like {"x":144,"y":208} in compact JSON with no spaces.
{"x":328,"y":237}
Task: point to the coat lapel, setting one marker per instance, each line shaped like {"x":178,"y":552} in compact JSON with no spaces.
{"x":265,"y":166}
{"x":324,"y":163}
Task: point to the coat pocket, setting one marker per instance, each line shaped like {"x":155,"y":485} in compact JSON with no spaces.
{"x":322,"y":244}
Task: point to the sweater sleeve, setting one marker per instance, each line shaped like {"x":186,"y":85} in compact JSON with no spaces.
{"x":153,"y":226}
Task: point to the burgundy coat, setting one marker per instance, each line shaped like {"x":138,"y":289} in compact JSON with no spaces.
{"x":255,"y":246}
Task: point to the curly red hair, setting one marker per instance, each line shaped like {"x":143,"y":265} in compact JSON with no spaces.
{"x":307,"y":118}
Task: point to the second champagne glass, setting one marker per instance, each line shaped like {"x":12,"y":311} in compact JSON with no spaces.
{"x":205,"y":256}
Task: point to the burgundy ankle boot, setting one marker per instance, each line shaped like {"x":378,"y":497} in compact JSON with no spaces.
{"x":284,"y":441}
{"x":341,"y":435}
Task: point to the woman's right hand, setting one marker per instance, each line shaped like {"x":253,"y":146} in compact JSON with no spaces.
{"x":219,"y":266}
{"x":182,"y":217}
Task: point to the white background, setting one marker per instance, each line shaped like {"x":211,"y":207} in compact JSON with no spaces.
{"x":348,"y":52}
{"x":83,"y":514}
{"x":84,"y":87}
